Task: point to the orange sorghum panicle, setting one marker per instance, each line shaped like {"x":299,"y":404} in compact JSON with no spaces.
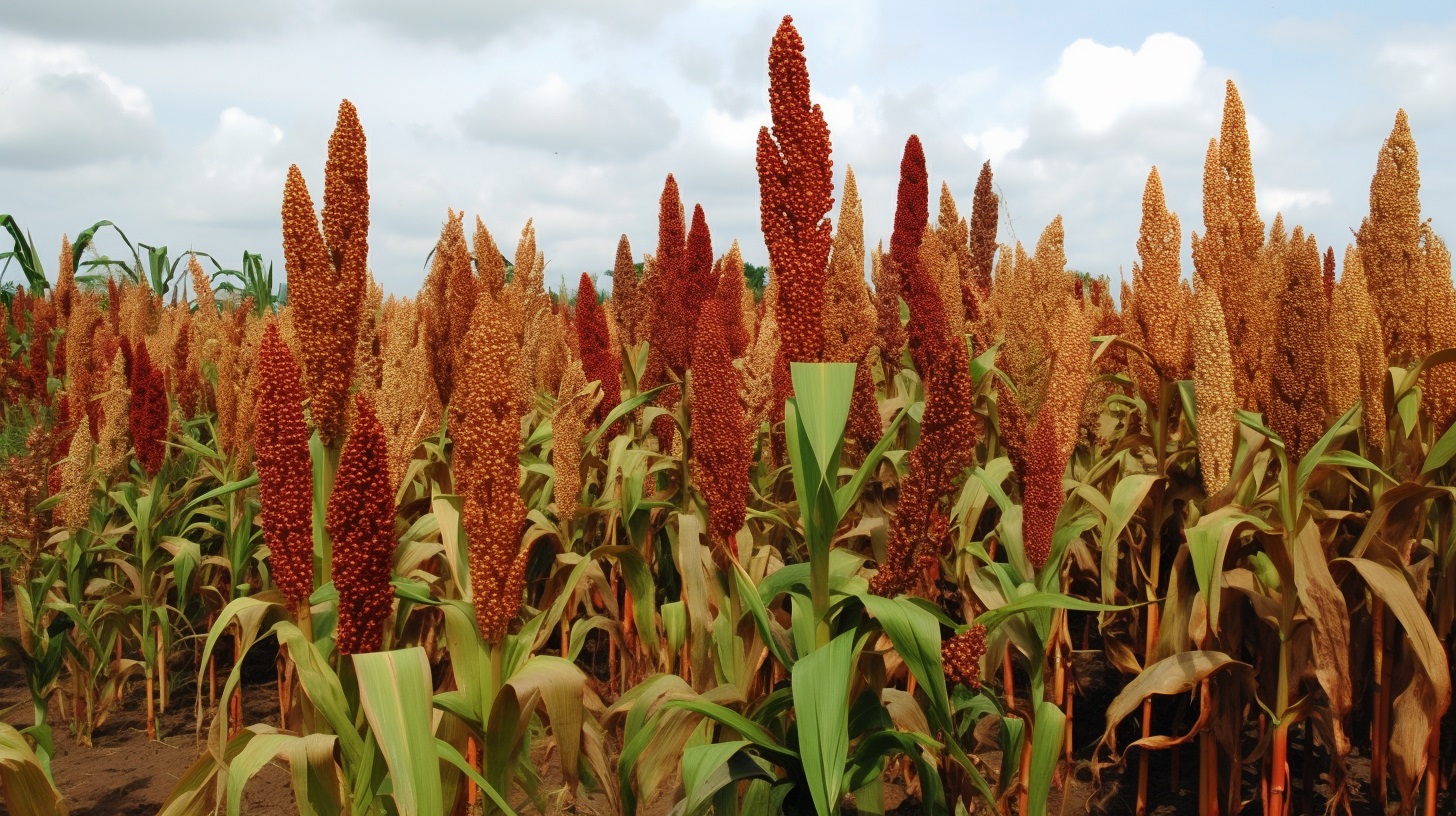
{"x":796,"y":191}
{"x":627,"y":294}
{"x":961,"y":656}
{"x":490,"y":264}
{"x":361,"y":524}
{"x":486,"y":426}
{"x":600,"y":360}
{"x":285,"y":469}
{"x":1298,"y":387}
{"x":721,"y":455}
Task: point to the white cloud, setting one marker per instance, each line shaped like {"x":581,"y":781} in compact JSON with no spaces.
{"x":1426,"y":68}
{"x":994,"y":143}
{"x":145,"y":20}
{"x":1100,"y":83}
{"x":475,"y":24}
{"x":237,"y":173}
{"x":596,"y":119}
{"x":61,"y":110}
{"x":1285,"y":200}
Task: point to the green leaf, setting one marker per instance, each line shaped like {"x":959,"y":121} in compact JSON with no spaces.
{"x":1047,"y":736}
{"x":25,"y":787}
{"x":1208,"y":543}
{"x":820,"y":682}
{"x":993,"y":618}
{"x":395,"y":691}
{"x":1441,"y":452}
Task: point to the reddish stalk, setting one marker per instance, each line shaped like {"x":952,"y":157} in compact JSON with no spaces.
{"x":1279,"y":771}
{"x":1150,"y":645}
{"x":1380,"y":719}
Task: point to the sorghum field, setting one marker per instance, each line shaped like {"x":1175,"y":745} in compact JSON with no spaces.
{"x":984,"y":536}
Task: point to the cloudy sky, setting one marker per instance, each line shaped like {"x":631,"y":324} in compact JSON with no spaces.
{"x":177,"y":120}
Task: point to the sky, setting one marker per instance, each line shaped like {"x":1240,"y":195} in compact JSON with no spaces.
{"x":177,"y":120}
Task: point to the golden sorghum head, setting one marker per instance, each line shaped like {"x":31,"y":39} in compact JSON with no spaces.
{"x":1238,"y":168}
{"x":1157,"y":298}
{"x":1357,"y":361}
{"x":490,"y":264}
{"x":486,"y":425}
{"x":889,"y":331}
{"x":412,"y":412}
{"x":450,"y":288}
{"x":1298,"y":395}
{"x":574,"y":404}
{"x":1213,"y":378}
{"x":76,"y":474}
{"x":114,"y":441}
{"x":796,"y":192}
{"x":631,"y":302}
{"x":202,"y":289}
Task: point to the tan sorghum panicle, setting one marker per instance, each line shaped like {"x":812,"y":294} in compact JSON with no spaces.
{"x":1213,"y":382}
{"x":80,"y":330}
{"x":574,"y":405}
{"x":76,"y":473}
{"x":114,"y":439}
{"x":1389,"y":245}
{"x":486,"y":425}
{"x":1031,"y":302}
{"x":1071,"y":374}
{"x":758,"y":368}
{"x":1358,"y":362}
{"x":450,"y":288}
{"x":1439,"y":302}
{"x":614,"y":325}
{"x":955,"y":235}
{"x":889,"y":331}
{"x":412,"y":411}
{"x":1238,"y":168}
{"x":1298,"y":396}
{"x":552,"y":354}
{"x":1408,"y":271}
{"x":490,"y":264}
{"x":202,"y":290}
{"x":628,"y":297}
{"x":1157,"y":297}
{"x":939,"y":259}
{"x":524,"y":277}
{"x":849,"y":319}
{"x":138,"y":311}
{"x":368,"y":367}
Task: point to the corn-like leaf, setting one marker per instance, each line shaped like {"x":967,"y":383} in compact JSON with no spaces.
{"x":395,"y":690}
{"x":821,"y":705}
{"x":25,"y":787}
{"x":1046,"y":748}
